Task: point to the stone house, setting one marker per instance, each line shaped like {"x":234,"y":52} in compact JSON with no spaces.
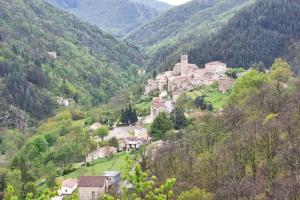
{"x":102,"y":152}
{"x":92,"y":187}
{"x":158,"y":105}
{"x":68,"y":186}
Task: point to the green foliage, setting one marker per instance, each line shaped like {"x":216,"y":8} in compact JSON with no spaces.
{"x":160,"y":126}
{"x":14,"y":185}
{"x":117,"y":17}
{"x":10,"y":193}
{"x":76,"y":114}
{"x":128,"y":116}
{"x":114,"y":142}
{"x":144,"y":186}
{"x":178,"y":118}
{"x":249,"y":82}
{"x":207,"y":97}
{"x":280,"y":71}
{"x":102,"y":132}
{"x":90,"y":65}
{"x":195,"y":194}
{"x":260,"y":32}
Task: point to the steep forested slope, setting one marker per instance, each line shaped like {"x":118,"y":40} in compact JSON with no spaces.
{"x":115,"y":16}
{"x":262,"y":32}
{"x":181,"y":28}
{"x":89,"y":67}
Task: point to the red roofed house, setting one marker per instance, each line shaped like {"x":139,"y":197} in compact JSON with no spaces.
{"x":92,"y":187}
{"x":68,"y":186}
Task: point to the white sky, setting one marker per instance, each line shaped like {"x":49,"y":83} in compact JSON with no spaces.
{"x":175,"y":2}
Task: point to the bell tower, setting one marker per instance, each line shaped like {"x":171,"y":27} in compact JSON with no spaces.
{"x":184,"y":63}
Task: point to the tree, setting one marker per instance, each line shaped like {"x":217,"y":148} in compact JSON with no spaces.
{"x":128,"y":116}
{"x":280,"y":71}
{"x":199,"y":101}
{"x":14,"y":117}
{"x":114,"y":142}
{"x":102,"y":132}
{"x":14,"y":183}
{"x":10,"y":193}
{"x":161,"y":124}
{"x":178,"y":118}
{"x":144,"y":187}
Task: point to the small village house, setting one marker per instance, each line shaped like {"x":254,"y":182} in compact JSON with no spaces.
{"x":113,"y":177}
{"x":52,"y":54}
{"x":92,"y":187}
{"x":65,"y":102}
{"x":113,"y":181}
{"x":102,"y":152}
{"x":68,"y":186}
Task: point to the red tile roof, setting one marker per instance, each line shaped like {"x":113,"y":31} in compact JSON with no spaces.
{"x":92,"y":181}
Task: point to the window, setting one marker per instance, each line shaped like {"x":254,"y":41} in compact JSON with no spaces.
{"x":93,"y":194}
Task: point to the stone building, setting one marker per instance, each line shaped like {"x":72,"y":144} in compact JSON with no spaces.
{"x":92,"y":187}
{"x":185,"y":77}
{"x":158,"y":105}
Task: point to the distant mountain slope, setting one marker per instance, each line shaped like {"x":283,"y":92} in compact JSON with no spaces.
{"x":262,"y":32}
{"x":115,"y":16}
{"x":158,"y":5}
{"x":89,"y":67}
{"x":182,"y":28}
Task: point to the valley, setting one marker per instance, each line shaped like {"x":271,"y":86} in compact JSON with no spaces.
{"x":138,"y":99}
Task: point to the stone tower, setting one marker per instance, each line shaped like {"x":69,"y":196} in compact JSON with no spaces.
{"x":184,"y":64}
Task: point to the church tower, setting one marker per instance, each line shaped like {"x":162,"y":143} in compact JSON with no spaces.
{"x":184,"y":64}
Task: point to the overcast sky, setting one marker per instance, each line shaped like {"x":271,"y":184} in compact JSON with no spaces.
{"x":175,"y":2}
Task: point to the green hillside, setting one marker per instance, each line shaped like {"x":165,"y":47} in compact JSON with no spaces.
{"x":90,"y":65}
{"x":182,"y":28}
{"x":114,"y":16}
{"x":261,"y":32}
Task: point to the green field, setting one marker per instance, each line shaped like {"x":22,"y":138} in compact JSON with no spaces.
{"x":116,"y":163}
{"x":212,"y":95}
{"x":143,"y":108}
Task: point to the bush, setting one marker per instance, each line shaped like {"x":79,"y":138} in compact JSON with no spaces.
{"x":76,"y":114}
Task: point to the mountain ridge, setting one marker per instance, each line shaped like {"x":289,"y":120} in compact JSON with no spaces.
{"x":117,"y":17}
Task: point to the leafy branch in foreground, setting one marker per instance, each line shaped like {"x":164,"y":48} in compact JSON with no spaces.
{"x":142,"y":186}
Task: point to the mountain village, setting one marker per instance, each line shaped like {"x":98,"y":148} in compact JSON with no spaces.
{"x":169,"y":86}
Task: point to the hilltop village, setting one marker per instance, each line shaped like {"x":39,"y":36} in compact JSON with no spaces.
{"x":185,"y":77}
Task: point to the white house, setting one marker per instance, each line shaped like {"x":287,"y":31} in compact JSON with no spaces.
{"x":68,"y":186}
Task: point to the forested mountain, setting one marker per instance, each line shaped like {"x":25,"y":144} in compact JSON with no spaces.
{"x":181,"y":28}
{"x":115,"y":16}
{"x":156,"y":4}
{"x":261,"y":32}
{"x":89,"y":67}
